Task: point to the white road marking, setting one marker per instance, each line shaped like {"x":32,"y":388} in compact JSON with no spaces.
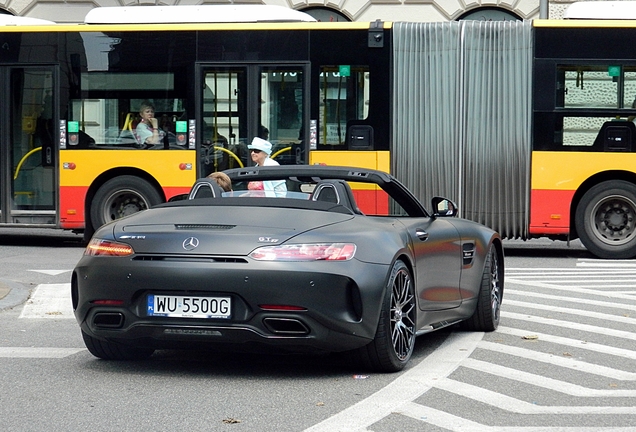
{"x":607,"y":264}
{"x":448,"y":421}
{"x":574,"y":289}
{"x":51,"y":272}
{"x":575,"y":343}
{"x":38,"y":352}
{"x":406,"y":388}
{"x":629,"y":335}
{"x":49,"y":301}
{"x":544,"y":382}
{"x":570,"y":299}
{"x":517,"y":406}
{"x":556,"y":360}
{"x":570,"y":311}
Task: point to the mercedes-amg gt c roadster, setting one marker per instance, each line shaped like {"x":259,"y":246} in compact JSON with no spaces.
{"x":298,"y":268}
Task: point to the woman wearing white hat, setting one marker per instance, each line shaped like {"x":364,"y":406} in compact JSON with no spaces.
{"x":260,"y":150}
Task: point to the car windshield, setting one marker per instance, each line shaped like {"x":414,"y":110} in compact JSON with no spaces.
{"x":268,"y":194}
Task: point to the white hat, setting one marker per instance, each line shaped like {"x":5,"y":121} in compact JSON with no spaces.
{"x":261,"y":144}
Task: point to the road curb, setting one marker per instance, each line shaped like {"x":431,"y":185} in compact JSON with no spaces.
{"x":12,"y":294}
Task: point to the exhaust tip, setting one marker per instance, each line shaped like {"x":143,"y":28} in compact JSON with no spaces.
{"x":286,"y":326}
{"x":108,"y":320}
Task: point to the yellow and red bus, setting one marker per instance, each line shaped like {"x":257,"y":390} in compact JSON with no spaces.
{"x":526,"y":125}
{"x":70,"y":153}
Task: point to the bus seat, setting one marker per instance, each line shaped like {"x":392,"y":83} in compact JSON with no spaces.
{"x":616,"y":136}
{"x":127,"y":133}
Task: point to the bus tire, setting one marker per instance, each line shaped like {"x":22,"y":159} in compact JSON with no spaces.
{"x":605,"y":220}
{"x":122,"y":196}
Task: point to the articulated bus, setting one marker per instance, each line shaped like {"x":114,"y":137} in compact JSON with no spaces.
{"x":526,"y":125}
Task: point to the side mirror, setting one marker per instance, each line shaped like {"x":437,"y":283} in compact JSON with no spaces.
{"x":443,"y":207}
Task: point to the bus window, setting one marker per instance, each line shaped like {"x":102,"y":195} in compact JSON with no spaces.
{"x":630,"y":87}
{"x":344,"y":97}
{"x":589,"y":87}
{"x":582,"y":131}
{"x":30,"y":157}
{"x":224,"y":136}
{"x":108,"y":115}
{"x":281,"y":113}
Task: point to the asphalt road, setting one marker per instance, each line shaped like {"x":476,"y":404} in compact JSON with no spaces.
{"x":562,"y":359}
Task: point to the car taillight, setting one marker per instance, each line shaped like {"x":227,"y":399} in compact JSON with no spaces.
{"x":272,"y":307}
{"x":99,"y":247}
{"x":306,"y":252}
{"x":108,"y":302}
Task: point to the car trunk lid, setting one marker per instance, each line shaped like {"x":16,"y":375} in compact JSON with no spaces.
{"x":234,"y":231}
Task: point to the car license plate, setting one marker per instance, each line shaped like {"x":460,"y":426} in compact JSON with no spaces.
{"x":189,"y":307}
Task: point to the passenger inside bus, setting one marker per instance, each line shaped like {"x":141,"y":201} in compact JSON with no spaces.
{"x":148,"y":131}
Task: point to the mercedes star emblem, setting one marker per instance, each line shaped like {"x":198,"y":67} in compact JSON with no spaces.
{"x":190,"y":243}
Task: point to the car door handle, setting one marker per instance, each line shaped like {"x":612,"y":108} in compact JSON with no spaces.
{"x":421,"y":234}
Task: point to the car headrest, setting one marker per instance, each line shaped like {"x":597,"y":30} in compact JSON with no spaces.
{"x":205,"y":188}
{"x":336,"y":191}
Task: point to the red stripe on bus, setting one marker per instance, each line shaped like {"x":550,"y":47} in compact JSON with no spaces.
{"x":72,"y":206}
{"x":550,"y":211}
{"x":372,"y":201}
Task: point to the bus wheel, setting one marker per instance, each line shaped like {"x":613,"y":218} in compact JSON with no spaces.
{"x":122,"y":196}
{"x":606,"y":220}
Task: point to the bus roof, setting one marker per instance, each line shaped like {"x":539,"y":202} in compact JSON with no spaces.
{"x":194,"y":14}
{"x":601,"y":10}
{"x":10,"y":20}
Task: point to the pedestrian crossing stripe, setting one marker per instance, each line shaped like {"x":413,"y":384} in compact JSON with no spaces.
{"x":38,"y":352}
{"x":49,"y":301}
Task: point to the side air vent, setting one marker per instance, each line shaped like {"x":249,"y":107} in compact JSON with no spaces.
{"x":468,"y":253}
{"x":203,"y":227}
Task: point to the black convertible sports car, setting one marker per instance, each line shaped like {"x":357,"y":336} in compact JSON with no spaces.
{"x":296,"y":270}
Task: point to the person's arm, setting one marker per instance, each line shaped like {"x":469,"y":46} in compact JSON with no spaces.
{"x":154,"y":128}
{"x":148,"y":134}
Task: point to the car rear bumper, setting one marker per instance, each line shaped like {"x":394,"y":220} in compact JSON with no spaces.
{"x":340,"y":303}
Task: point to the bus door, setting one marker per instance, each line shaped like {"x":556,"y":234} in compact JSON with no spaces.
{"x":247,"y":101}
{"x":27,"y":146}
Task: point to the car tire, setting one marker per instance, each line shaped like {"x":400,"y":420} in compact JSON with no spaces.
{"x":114,"y":351}
{"x":605,"y":220}
{"x":487,"y":312}
{"x":122,"y":196}
{"x":394,"y":340}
